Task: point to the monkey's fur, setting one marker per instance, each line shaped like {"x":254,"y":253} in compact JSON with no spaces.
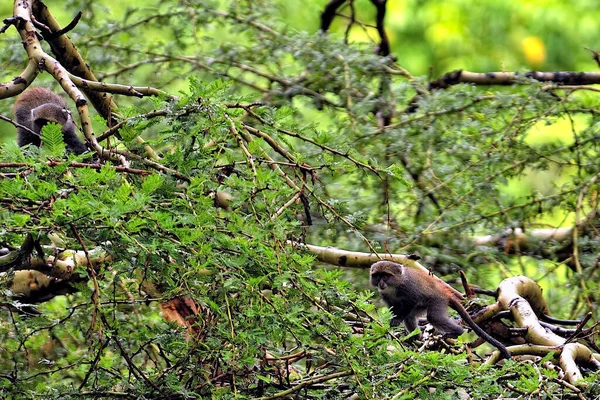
{"x":411,"y":292}
{"x":36,"y":107}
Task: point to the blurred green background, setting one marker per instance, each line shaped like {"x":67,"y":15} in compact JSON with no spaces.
{"x":429,"y":38}
{"x":487,"y":35}
{"x":434,"y":37}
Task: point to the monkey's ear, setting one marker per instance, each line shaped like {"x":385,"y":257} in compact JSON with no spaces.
{"x":397,"y":268}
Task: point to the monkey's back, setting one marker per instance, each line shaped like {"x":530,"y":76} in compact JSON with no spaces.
{"x":35,"y":97}
{"x":421,"y":287}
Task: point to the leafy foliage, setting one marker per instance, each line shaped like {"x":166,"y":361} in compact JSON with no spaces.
{"x":286,"y":122}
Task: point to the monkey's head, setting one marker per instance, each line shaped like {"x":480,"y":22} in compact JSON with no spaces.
{"x":386,"y":275}
{"x":52,"y":113}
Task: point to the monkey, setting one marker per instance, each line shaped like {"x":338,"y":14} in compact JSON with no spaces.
{"x":411,"y":292}
{"x":36,"y":107}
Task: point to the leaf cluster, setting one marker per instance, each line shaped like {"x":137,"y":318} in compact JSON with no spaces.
{"x":287,"y":123}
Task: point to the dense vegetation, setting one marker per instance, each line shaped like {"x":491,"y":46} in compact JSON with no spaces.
{"x":240,"y":131}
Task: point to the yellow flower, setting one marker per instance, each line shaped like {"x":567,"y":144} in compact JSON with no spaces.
{"x":534,"y":50}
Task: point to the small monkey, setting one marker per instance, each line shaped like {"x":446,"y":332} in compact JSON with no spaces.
{"x":36,"y":107}
{"x":411,"y":292}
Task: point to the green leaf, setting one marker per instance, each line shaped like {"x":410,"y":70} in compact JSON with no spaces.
{"x":53,"y":140}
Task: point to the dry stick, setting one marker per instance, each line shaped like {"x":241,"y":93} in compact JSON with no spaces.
{"x":134,"y":368}
{"x":128,"y":90}
{"x":18,"y":125}
{"x":579,"y":328}
{"x":468,"y":289}
{"x":398,"y":70}
{"x":100,"y":166}
{"x":132,"y":25}
{"x":92,"y":274}
{"x":94,"y":363}
{"x":291,"y":201}
{"x":153,"y":164}
{"x":114,"y":129}
{"x":431,"y":114}
{"x":272,"y":165}
{"x":251,"y":22}
{"x":292,"y":357}
{"x":308,"y":140}
{"x":132,"y":66}
{"x":352,"y":19}
{"x":569,"y":386}
{"x":308,"y":382}
{"x":240,"y":141}
{"x":49,"y":34}
{"x":293,"y":185}
{"x":54,"y":163}
{"x":274,"y":145}
{"x":595,"y":55}
{"x":61,"y":74}
{"x":137,"y":91}
{"x":569,"y":88}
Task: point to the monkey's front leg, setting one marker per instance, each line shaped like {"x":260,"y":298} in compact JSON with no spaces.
{"x":411,"y":323}
{"x":401,"y":308}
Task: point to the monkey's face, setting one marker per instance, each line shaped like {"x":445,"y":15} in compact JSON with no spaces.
{"x":381,"y":280}
{"x":385,"y":275}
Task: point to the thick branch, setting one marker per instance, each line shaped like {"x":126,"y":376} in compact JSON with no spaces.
{"x":510,"y":78}
{"x":329,"y":13}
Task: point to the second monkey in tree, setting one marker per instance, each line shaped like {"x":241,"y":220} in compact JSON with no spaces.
{"x":36,"y":107}
{"x":411,"y":293}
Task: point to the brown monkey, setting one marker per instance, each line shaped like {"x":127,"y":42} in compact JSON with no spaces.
{"x":37,"y":106}
{"x":411,"y":292}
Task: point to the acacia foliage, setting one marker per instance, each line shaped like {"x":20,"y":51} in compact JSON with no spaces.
{"x":268,"y":319}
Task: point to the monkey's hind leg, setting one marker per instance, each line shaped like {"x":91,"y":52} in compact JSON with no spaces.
{"x":437,"y":315}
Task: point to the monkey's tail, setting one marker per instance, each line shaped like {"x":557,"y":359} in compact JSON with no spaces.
{"x":480,"y":332}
